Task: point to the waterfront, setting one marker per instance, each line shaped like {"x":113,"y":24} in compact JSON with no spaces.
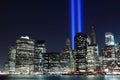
{"x":60,"y":77}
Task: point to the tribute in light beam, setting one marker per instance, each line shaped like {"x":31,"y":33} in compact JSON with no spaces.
{"x":72,"y":22}
{"x":78,"y":23}
{"x":79,"y":15}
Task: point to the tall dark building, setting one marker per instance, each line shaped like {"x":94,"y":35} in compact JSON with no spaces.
{"x":67,"y":58}
{"x":81,"y":52}
{"x":40,"y":49}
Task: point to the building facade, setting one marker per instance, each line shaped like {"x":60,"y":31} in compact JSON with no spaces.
{"x":80,"y":52}
{"x":67,"y":62}
{"x":12,"y":59}
{"x":24,"y":55}
{"x":92,"y":55}
{"x":110,"y":53}
{"x":92,"y":52}
{"x":51,"y":63}
{"x":109,"y":39}
{"x":40,"y":49}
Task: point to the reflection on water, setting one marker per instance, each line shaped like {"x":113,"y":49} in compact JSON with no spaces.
{"x":112,"y":77}
{"x":60,"y":77}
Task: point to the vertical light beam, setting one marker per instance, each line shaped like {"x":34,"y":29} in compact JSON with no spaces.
{"x":79,"y":15}
{"x":72,"y":23}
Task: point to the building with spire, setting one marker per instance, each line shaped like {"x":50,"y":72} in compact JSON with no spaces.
{"x":67,"y":58}
{"x":92,"y":52}
{"x":92,"y":36}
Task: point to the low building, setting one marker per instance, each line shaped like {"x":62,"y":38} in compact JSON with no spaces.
{"x":67,"y":62}
{"x":51,"y":62}
{"x":12,"y":59}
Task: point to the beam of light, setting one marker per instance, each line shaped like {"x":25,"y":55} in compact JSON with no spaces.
{"x":72,"y":22}
{"x":79,"y":15}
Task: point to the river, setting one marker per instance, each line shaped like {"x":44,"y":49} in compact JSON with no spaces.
{"x":60,"y":77}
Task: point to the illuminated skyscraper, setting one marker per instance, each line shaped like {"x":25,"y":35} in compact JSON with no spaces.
{"x":67,"y":58}
{"x":92,"y":55}
{"x":109,"y":59}
{"x":109,"y":53}
{"x":40,"y":49}
{"x":81,"y":52}
{"x":109,"y":39}
{"x":24,"y":55}
{"x":92,"y":52}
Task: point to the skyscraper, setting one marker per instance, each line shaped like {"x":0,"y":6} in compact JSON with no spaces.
{"x":109,"y":53}
{"x":81,"y":52}
{"x":24,"y":55}
{"x":51,"y":62}
{"x":67,"y":58}
{"x":92,"y":52}
{"x":109,"y":59}
{"x":40,"y":49}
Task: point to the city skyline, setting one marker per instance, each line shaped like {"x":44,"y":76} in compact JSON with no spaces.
{"x":29,"y":56}
{"x":50,"y":21}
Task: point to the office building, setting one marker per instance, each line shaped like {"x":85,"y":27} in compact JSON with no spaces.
{"x":51,"y":63}
{"x":40,"y":49}
{"x":80,"y":52}
{"x":24,"y":55}
{"x":110,"y":53}
{"x":67,"y":59}
{"x":92,"y":52}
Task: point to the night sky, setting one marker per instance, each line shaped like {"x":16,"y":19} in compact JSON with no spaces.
{"x":49,"y":20}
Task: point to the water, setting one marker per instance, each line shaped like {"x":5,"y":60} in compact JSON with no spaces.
{"x":61,"y":77}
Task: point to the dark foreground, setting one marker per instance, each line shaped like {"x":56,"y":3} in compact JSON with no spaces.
{"x":59,"y":77}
